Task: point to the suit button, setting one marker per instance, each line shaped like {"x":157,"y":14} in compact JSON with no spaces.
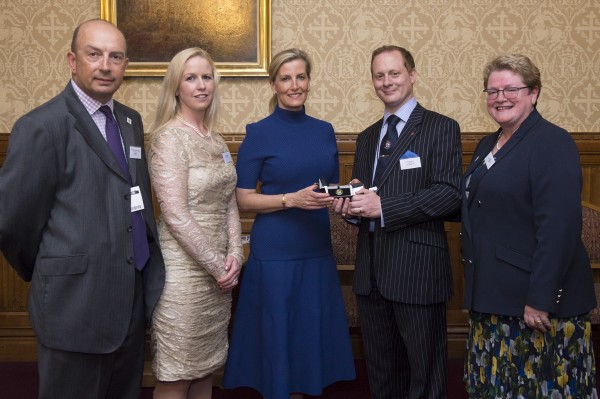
{"x":479,"y":203}
{"x":127,"y":196}
{"x":129,"y":229}
{"x":130,"y":260}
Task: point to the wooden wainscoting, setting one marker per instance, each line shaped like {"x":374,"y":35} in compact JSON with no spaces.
{"x":17,"y":342}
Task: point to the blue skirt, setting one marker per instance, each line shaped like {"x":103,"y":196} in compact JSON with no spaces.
{"x":290,"y":332}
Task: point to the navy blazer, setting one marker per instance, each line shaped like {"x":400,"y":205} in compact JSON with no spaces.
{"x":65,"y":218}
{"x":411,"y":258}
{"x":521,"y":226}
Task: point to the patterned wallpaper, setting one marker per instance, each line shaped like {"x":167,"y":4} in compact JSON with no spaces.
{"x":450,"y":39}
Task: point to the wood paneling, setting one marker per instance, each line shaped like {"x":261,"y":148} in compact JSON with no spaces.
{"x":17,"y":342}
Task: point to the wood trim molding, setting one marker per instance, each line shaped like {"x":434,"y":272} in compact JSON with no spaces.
{"x":3,"y":146}
{"x":587,"y":142}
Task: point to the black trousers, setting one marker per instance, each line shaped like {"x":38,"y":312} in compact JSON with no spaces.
{"x":406,"y":347}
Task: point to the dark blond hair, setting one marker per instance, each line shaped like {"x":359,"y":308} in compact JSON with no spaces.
{"x":281,"y":58}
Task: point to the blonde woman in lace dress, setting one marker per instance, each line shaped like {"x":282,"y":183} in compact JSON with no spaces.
{"x":194,"y":179}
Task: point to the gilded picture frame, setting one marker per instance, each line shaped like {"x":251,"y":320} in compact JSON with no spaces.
{"x":237,"y":33}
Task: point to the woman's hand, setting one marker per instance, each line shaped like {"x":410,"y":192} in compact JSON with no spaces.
{"x":231,"y":279}
{"x":308,"y":199}
{"x":536,"y":319}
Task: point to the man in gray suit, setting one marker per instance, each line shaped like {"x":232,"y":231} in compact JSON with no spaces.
{"x":403,"y":275}
{"x":80,"y":226}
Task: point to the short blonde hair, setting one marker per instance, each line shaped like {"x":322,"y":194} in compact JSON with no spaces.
{"x":518,"y":64}
{"x":409,"y":61}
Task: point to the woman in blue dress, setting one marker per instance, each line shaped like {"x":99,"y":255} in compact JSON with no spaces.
{"x":290,"y":333}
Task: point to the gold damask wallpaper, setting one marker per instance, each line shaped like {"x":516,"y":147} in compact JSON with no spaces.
{"x":450,"y":39}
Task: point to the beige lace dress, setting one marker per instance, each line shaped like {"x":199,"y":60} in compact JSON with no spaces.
{"x":198,"y":227}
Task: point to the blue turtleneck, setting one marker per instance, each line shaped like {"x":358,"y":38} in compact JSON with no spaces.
{"x":285,"y":152}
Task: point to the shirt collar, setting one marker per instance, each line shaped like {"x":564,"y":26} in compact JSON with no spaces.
{"x":90,"y":104}
{"x":404,"y":111}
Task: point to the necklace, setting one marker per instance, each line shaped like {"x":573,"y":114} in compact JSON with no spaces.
{"x":498,"y":141}
{"x":194,"y":128}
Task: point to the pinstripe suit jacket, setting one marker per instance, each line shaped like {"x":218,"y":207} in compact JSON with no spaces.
{"x":65,"y":220}
{"x":411,"y":258}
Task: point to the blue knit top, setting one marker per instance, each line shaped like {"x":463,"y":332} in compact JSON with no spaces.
{"x":283,"y":153}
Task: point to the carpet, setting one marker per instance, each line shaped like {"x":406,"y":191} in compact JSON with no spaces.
{"x":20,"y":381}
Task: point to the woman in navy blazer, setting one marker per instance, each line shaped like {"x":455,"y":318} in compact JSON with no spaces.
{"x":528,"y":282}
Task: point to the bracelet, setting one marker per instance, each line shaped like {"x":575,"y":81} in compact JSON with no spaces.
{"x":283,"y":200}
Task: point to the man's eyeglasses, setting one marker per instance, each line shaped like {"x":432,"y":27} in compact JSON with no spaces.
{"x":509,"y":92}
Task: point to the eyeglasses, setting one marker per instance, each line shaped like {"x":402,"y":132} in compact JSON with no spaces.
{"x":509,"y":92}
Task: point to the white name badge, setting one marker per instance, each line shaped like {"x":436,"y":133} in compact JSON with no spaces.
{"x":137,"y":202}
{"x":135,"y":152}
{"x":489,"y":160}
{"x":410,"y":163}
{"x":227,"y":157}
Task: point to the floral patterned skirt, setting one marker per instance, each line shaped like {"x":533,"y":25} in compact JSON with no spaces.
{"x":507,"y":359}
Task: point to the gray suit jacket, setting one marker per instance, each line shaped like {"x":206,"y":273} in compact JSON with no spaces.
{"x":65,"y":225}
{"x":411,"y":258}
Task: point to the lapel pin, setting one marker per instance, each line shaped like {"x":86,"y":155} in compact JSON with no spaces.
{"x":128,"y":120}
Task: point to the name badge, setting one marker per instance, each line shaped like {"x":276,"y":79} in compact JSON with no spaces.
{"x":135,"y":152}
{"x":410,"y":160}
{"x":489,"y":160}
{"x":137,"y":202}
{"x":227,"y":157}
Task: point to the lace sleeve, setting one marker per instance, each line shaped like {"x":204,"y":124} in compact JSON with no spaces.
{"x":234,"y":229}
{"x":168,"y":164}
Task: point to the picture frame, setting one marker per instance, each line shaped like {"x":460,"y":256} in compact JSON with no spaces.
{"x":236,"y":33}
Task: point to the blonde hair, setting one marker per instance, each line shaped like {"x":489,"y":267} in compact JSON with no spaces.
{"x":281,"y":58}
{"x":168,"y":103}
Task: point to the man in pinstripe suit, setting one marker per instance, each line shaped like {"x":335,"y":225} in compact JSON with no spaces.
{"x":403,"y":275}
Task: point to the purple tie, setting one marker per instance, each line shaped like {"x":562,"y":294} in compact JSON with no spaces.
{"x":141,"y":251}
